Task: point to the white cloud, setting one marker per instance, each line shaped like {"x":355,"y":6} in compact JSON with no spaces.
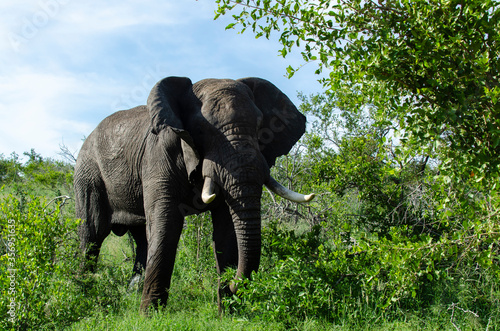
{"x":112,"y":15}
{"x":24,"y":21}
{"x":78,"y":61}
{"x":38,"y":112}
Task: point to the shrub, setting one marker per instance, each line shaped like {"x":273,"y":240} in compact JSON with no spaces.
{"x":39,"y":251}
{"x":313,"y":275}
{"x":40,"y":280}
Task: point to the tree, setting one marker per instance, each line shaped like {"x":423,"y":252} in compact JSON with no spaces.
{"x":413,"y":86}
{"x":429,"y":68}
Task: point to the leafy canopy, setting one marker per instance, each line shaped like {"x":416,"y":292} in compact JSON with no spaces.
{"x":430,"y":68}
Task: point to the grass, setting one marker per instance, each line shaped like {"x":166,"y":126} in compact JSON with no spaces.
{"x":205,"y":317}
{"x":192,"y":306}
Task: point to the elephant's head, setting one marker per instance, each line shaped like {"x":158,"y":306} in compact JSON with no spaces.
{"x":232,"y":132}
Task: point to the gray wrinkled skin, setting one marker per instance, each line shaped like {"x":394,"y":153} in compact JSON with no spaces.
{"x":142,"y":170}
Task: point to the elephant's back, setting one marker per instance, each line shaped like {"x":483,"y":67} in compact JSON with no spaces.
{"x":118,"y":134}
{"x":114,"y":150}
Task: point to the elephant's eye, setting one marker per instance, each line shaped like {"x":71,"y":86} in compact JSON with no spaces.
{"x":260,"y":119}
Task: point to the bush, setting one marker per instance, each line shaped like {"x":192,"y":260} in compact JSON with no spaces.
{"x":37,"y":176}
{"x":314,"y":275}
{"x":40,"y":251}
{"x":40,"y":280}
{"x":297,"y":281}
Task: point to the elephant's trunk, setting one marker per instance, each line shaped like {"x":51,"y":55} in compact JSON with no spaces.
{"x":240,"y":174}
{"x":245,"y":212}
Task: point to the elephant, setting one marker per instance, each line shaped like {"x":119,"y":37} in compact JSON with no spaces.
{"x":199,"y":147}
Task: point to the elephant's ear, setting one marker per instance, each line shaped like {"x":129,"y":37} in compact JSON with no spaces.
{"x":165,"y":108}
{"x":283,"y":124}
{"x":164,"y":103}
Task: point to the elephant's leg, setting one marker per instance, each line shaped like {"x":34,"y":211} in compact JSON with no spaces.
{"x":92,"y":207}
{"x":141,"y":250}
{"x":163,"y":230}
{"x":224,"y":245}
{"x":141,"y":253}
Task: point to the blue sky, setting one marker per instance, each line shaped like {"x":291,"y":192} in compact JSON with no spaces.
{"x":67,"y":64}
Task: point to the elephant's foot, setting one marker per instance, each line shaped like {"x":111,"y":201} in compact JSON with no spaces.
{"x":153,"y":303}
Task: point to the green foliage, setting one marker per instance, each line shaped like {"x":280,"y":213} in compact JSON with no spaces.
{"x":349,"y":154}
{"x":350,"y":259}
{"x":309,"y":276}
{"x":428,"y":67}
{"x":202,"y":316}
{"x":33,"y":238}
{"x":42,"y":287}
{"x":384,"y":240}
{"x":38,"y":175}
{"x":194,"y":276}
{"x":46,"y":172}
{"x":9,"y":169}
{"x":291,"y":284}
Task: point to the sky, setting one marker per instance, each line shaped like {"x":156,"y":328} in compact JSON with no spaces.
{"x":67,"y":64}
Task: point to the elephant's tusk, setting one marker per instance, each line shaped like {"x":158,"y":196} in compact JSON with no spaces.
{"x":283,"y":192}
{"x":207,"y":194}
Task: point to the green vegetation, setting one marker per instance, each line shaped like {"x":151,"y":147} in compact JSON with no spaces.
{"x":406,"y":140}
{"x":382,"y":244}
{"x":375,"y":250}
{"x":402,"y":152}
{"x":427,"y":69}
